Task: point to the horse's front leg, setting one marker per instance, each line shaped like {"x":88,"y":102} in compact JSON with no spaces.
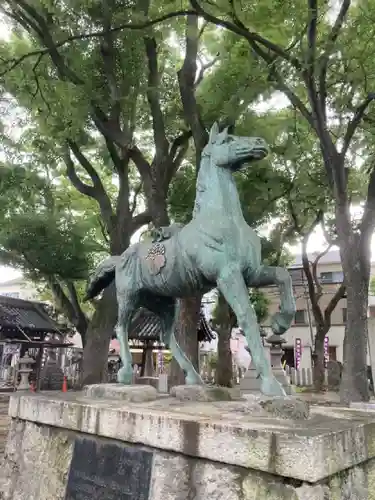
{"x":270,"y":275}
{"x":232,"y":285}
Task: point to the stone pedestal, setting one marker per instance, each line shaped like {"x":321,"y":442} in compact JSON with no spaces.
{"x":72,"y":445}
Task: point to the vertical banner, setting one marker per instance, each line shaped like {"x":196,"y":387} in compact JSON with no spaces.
{"x":297,"y":353}
{"x":326,"y":350}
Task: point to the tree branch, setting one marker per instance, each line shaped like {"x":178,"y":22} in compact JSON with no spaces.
{"x":336,"y":28}
{"x":141,"y":220}
{"x":340,"y":294}
{"x":76,"y":317}
{"x":109,"y":56}
{"x":314,"y":298}
{"x":86,"y":36}
{"x":242,"y":31}
{"x":71,"y":172}
{"x":86,"y":164}
{"x":204,"y":68}
{"x":186,"y":79}
{"x":141,"y":163}
{"x":309,"y":73}
{"x":355,"y":121}
{"x":318,"y":284}
{"x":324,"y":58}
{"x":136,"y":192}
{"x":82,"y":321}
{"x":153,"y":97}
{"x":294,"y":216}
{"x":97,"y":191}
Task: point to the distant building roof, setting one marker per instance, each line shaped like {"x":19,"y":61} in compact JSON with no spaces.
{"x":15,"y":281}
{"x":17,"y":315}
{"x":331,"y":257}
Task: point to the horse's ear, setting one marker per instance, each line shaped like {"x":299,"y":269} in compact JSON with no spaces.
{"x":214,"y":132}
{"x":224,"y":133}
{"x":222,"y":136}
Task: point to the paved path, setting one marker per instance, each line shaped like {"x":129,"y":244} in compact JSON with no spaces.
{"x":4,"y":421}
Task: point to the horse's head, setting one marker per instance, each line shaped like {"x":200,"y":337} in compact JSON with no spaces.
{"x":232,"y":151}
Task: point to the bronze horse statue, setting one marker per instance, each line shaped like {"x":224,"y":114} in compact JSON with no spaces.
{"x":216,"y":249}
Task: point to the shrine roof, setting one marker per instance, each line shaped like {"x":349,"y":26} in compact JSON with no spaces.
{"x":18,"y":314}
{"x":146,"y":326}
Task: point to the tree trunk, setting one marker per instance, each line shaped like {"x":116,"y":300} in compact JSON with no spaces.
{"x":187,"y":337}
{"x":98,"y":337}
{"x":318,"y":358}
{"x":354,"y":384}
{"x":224,"y":370}
{"x":356,"y":267}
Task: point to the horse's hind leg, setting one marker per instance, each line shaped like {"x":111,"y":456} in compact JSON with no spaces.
{"x":168,"y":317}
{"x":127,"y":303}
{"x":271,"y":275}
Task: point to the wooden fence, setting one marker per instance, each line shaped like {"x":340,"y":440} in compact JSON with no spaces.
{"x":303,"y":377}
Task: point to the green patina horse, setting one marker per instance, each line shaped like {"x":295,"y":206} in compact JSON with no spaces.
{"x":216,"y":249}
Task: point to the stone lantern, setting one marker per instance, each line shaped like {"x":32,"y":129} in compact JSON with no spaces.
{"x":276,"y":352}
{"x":25,"y":365}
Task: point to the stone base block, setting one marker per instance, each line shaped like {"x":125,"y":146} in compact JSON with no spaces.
{"x":286,"y":408}
{"x":204,"y":393}
{"x":135,"y":393}
{"x":250,"y":383}
{"x":153,"y":381}
{"x":167,"y":449}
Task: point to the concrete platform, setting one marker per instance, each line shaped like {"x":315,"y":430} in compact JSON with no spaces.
{"x":330,"y":455}
{"x":238,"y":433}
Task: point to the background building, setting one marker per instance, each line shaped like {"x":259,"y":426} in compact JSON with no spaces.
{"x":330,"y":275}
{"x":19,"y":288}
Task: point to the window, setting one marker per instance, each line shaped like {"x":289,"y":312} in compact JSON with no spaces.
{"x":344,"y":314}
{"x":332,"y":277}
{"x":300,"y":317}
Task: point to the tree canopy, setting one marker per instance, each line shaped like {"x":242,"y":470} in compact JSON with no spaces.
{"x":103,"y":102}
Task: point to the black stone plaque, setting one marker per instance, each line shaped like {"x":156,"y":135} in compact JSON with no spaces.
{"x":101,"y":470}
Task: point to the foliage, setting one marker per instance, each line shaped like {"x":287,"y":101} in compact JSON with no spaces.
{"x":261,"y":303}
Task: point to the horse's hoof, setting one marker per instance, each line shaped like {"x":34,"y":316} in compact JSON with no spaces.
{"x":194,"y":379}
{"x":124,"y":377}
{"x":279,"y":325}
{"x":271,"y":387}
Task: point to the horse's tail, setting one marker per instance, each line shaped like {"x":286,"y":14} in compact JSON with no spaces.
{"x":103,"y":275}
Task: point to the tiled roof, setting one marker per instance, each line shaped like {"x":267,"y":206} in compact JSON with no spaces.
{"x":25,"y":314}
{"x":146,"y":326}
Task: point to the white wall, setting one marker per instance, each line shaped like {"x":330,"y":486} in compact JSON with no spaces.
{"x":19,"y":288}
